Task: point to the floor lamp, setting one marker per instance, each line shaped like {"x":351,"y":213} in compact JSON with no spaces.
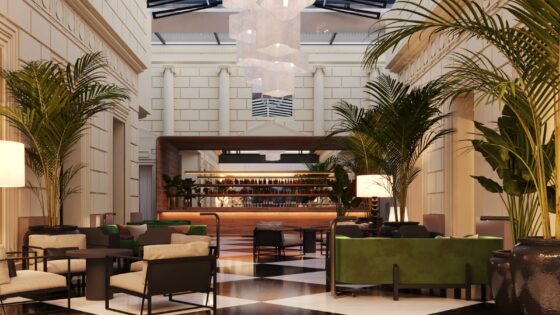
{"x":12,"y":164}
{"x":374,"y":187}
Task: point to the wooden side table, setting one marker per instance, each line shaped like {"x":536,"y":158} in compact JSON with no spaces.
{"x":96,"y":269}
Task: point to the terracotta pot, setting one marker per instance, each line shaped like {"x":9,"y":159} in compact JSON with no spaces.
{"x":500,"y":280}
{"x":535,"y":267}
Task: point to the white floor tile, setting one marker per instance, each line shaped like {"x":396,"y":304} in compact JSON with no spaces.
{"x":230,"y":254}
{"x":308,"y":277}
{"x":309,"y":263}
{"x":226,"y":277}
{"x":373,"y":305}
{"x":232,"y":263}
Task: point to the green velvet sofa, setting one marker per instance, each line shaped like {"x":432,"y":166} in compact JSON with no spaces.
{"x":413,"y":262}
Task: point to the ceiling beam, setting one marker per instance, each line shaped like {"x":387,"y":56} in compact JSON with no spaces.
{"x":217,"y":38}
{"x":158,"y":35}
{"x":332,"y":38}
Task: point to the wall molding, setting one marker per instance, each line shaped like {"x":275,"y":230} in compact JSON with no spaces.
{"x":89,"y":13}
{"x":418,"y":55}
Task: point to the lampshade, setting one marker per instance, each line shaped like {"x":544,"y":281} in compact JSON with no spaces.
{"x":12,"y":164}
{"x":286,"y":9}
{"x":242,"y":26}
{"x":368,"y":186}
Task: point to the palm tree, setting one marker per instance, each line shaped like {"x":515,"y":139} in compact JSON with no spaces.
{"x":402,"y":123}
{"x":532,"y":50}
{"x":53,"y":106}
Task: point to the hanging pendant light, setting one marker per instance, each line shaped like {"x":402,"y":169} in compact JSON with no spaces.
{"x":285,"y":9}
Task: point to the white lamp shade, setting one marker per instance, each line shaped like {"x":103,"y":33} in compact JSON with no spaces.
{"x":368,"y":186}
{"x":392,"y":214}
{"x":12,"y":164}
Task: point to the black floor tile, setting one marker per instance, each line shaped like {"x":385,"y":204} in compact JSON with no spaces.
{"x":36,"y":308}
{"x":478,"y":309}
{"x":267,"y":289}
{"x":265,"y":270}
{"x":263,"y":308}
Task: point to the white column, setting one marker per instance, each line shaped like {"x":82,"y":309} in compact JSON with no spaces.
{"x":319,"y":101}
{"x":224,"y":102}
{"x":168,"y":102}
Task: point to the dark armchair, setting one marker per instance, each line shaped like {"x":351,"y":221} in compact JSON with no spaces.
{"x":276,"y":239}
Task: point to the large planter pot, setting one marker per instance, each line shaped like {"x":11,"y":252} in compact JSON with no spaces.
{"x":535,"y":267}
{"x":500,"y":280}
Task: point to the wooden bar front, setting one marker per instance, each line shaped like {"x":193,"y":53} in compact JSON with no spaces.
{"x":240,"y":221}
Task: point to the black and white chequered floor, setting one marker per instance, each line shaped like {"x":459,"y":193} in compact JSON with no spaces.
{"x":293,"y":285}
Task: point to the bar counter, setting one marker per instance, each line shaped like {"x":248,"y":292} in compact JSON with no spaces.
{"x":242,"y":221}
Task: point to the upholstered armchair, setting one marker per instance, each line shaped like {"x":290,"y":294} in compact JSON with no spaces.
{"x":271,"y":234}
{"x":52,"y":249}
{"x":29,"y":283}
{"x":171,"y":270}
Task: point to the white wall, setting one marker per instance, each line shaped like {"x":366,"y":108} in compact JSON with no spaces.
{"x":416,"y":62}
{"x":62,"y":31}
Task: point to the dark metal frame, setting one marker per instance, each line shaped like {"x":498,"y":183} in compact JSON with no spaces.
{"x":184,"y":8}
{"x":46,"y":257}
{"x":270,"y":238}
{"x":171,"y":277}
{"x":212,"y":283}
{"x":35,"y":292}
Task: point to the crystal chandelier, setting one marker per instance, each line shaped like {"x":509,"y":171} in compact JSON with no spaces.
{"x":268,"y":42}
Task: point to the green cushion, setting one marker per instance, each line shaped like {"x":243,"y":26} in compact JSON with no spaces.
{"x":109,"y":229}
{"x":198,"y":230}
{"x":161,"y":222}
{"x":420,"y":261}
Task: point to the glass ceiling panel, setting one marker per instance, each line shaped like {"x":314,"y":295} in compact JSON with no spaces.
{"x":189,"y":38}
{"x":354,"y":38}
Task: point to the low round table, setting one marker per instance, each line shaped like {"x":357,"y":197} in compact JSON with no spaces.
{"x":95,"y":269}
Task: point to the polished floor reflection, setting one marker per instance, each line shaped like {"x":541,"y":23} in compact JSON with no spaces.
{"x":294,"y":284}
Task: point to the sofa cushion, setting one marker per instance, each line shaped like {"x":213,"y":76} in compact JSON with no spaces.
{"x":183,"y":229}
{"x":123,"y":229}
{"x":270,"y":226}
{"x":177,"y":238}
{"x":31,"y":280}
{"x":60,"y":266}
{"x":109,"y":229}
{"x":291,"y":240}
{"x":136,"y":266}
{"x":167,"y":251}
{"x":4,"y":270}
{"x":133,"y":281}
{"x":137,"y":230}
{"x":198,"y":229}
{"x":56,"y":241}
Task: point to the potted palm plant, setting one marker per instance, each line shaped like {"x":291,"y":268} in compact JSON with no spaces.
{"x":530,"y":44}
{"x":53,"y":104}
{"x":395,"y":131}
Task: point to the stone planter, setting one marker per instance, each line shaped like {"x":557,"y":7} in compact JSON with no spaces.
{"x":500,"y":280}
{"x":535,"y":267}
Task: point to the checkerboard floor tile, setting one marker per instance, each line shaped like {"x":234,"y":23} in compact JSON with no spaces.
{"x":294,"y":284}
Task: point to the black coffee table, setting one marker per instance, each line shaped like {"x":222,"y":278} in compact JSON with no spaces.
{"x":96,"y":269}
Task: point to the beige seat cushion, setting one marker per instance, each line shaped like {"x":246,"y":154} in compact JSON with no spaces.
{"x":31,"y":280}
{"x":4,"y":271}
{"x":60,"y":266}
{"x":269,"y":226}
{"x":291,"y":239}
{"x":136,"y":266}
{"x":177,"y":238}
{"x":133,"y":281}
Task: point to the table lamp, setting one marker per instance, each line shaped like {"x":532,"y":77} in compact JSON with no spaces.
{"x":12,"y":164}
{"x":374,"y":187}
